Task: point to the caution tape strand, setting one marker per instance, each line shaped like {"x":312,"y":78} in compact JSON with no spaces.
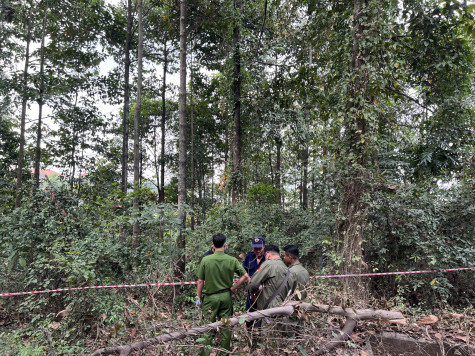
{"x":194,"y":282}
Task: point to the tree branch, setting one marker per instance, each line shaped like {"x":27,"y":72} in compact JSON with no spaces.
{"x":262,"y":29}
{"x":339,"y":339}
{"x":287,"y":309}
{"x":410,"y":98}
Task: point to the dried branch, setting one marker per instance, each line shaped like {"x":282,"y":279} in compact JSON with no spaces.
{"x":287,"y":309}
{"x":339,"y":339}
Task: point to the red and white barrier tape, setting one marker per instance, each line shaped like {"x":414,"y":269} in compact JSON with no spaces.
{"x":394,"y":273}
{"x":187,"y":283}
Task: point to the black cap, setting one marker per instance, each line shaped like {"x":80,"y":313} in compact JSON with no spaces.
{"x":258,"y":242}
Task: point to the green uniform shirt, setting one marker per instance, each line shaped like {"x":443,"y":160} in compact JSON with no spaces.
{"x":270,"y":275}
{"x":300,"y":273}
{"x":217,"y":270}
{"x":300,"y":276}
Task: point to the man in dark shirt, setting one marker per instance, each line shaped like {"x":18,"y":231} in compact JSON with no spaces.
{"x":255,"y":258}
{"x":252,"y":262}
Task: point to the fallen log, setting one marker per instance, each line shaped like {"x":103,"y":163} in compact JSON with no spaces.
{"x":339,"y":339}
{"x":286,"y":309}
{"x":356,"y":314}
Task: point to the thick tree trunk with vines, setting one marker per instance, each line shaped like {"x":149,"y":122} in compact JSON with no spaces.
{"x":354,"y":213}
{"x":237,"y":139}
{"x":305,"y":150}
{"x":278,"y":178}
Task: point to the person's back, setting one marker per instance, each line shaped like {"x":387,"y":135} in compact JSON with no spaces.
{"x":215,"y":285}
{"x":299,"y":273}
{"x":300,"y":276}
{"x":218,"y":270}
{"x":271,"y":276}
{"x":275,"y":271}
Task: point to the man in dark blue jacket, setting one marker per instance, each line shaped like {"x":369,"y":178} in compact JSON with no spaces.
{"x":252,"y":262}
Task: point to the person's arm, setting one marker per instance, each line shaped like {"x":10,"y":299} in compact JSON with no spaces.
{"x":258,"y":278}
{"x":244,"y":278}
{"x":201,"y":284}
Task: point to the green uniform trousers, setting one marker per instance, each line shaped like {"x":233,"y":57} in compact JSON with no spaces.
{"x":215,"y":307}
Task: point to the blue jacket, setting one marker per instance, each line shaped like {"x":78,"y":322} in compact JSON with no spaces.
{"x":250,"y":263}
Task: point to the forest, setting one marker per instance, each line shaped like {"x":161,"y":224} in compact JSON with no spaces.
{"x":133,"y":130}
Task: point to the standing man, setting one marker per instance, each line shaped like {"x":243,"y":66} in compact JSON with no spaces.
{"x":252,"y":262}
{"x":272,"y":282}
{"x":300,"y":274}
{"x":255,"y":258}
{"x":215,"y":284}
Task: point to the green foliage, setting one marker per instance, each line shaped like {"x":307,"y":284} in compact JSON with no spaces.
{"x":8,"y":141}
{"x":8,"y":159}
{"x":383,"y":98}
{"x":56,"y":240}
{"x":414,"y":229}
{"x":243,"y":222}
{"x":262,"y":193}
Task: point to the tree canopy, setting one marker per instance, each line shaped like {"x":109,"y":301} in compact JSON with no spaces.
{"x":344,"y":127}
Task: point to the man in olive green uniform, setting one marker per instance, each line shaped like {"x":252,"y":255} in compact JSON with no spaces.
{"x":268,"y":278}
{"x":215,"y":284}
{"x":291,"y":324}
{"x":300,"y":274}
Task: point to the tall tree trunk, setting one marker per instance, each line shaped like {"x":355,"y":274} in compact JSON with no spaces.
{"x":352,"y":227}
{"x":21,"y":152}
{"x":40,"y":102}
{"x":205,"y":186}
{"x":137,"y":114}
{"x":212,"y":179}
{"x":226,"y":152}
{"x":125,"y":121}
{"x":271,"y":167}
{"x":312,"y":204}
{"x":161,"y":188}
{"x":306,"y":142}
{"x":180,"y":264}
{"x":278,"y":144}
{"x":226,"y":140}
{"x":192,"y":153}
{"x":80,"y":171}
{"x":156,"y":159}
{"x":140,"y":161}
{"x":199,"y":181}
{"x":161,"y":191}
{"x":73,"y":151}
{"x":300,"y":188}
{"x":237,"y":79}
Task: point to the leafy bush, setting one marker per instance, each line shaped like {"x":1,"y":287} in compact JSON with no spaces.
{"x":262,"y":193}
{"x":243,"y":222}
{"x":414,"y":229}
{"x":58,"y":240}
